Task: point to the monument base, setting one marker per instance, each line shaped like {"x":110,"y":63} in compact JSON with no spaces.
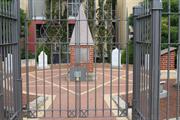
{"x":91,"y":76}
{"x":81,"y":74}
{"x":116,"y":67}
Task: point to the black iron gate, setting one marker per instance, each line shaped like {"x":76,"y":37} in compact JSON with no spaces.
{"x":10,"y":72}
{"x":70,"y":67}
{"x":147,"y":28}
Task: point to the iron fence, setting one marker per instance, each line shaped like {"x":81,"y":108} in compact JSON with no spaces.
{"x":10,"y":72}
{"x":169,"y":105}
{"x":73,"y":75}
{"x":147,"y":30}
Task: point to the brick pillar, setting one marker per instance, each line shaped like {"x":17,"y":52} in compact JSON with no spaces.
{"x":91,"y":58}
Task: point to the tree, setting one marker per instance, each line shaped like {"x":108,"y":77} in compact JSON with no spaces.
{"x":55,"y":30}
{"x":164,"y":23}
{"x":22,"y":24}
{"x":22,"y":20}
{"x":173,"y":23}
{"x":104,"y":30}
{"x":90,"y":13}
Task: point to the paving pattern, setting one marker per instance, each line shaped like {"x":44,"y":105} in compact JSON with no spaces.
{"x":80,"y":99}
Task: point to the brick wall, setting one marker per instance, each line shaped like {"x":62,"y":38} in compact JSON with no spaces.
{"x":32,"y":34}
{"x":90,"y":63}
{"x":164,"y":61}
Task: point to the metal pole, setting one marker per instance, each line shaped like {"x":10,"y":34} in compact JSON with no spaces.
{"x":136,"y":70}
{"x":30,"y":9}
{"x":27,"y":64}
{"x":178,"y":70}
{"x":155,"y":58}
{"x":1,"y":70}
{"x":1,"y":85}
{"x":19,"y":80}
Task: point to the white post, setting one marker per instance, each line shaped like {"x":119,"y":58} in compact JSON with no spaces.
{"x":116,"y":58}
{"x":43,"y":61}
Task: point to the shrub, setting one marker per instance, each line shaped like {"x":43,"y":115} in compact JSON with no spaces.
{"x":130,"y":54}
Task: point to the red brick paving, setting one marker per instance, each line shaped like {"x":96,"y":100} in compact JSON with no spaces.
{"x":172,"y":101}
{"x":61,"y":101}
{"x":163,"y":102}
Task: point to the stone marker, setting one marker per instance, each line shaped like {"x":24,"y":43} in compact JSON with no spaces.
{"x":116,"y":58}
{"x":43,"y":61}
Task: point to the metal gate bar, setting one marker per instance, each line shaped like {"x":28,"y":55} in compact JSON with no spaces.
{"x":171,"y":110}
{"x":147,"y":18}
{"x":93,"y":95}
{"x":10,"y":71}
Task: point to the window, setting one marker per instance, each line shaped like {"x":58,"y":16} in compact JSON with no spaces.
{"x":73,"y":7}
{"x":40,"y":30}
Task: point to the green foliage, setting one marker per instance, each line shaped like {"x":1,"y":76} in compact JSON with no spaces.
{"x":173,"y":23}
{"x":22,"y":24}
{"x":130,"y":20}
{"x":46,"y":48}
{"x":56,"y":30}
{"x":6,"y":3}
{"x":23,"y":54}
{"x":90,"y":13}
{"x":130,"y":54}
{"x":54,"y":9}
{"x":22,"y":19}
{"x":104,"y":30}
